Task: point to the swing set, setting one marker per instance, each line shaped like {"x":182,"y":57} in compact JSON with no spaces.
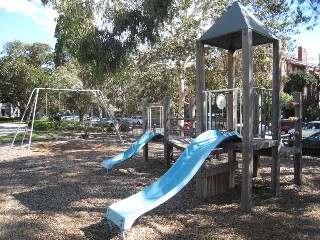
{"x":32,"y":105}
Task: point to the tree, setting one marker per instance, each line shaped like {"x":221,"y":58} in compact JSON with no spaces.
{"x":104,"y":32}
{"x":23,"y":67}
{"x":176,"y":50}
{"x":123,"y":89}
{"x":297,"y":81}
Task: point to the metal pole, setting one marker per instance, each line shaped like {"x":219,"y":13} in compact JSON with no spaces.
{"x":59,"y":101}
{"x":34,"y":114}
{"x":100,"y":97}
{"x":23,"y":115}
{"x":46,"y":104}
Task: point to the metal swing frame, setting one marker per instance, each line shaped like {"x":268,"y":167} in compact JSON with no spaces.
{"x":35,"y":94}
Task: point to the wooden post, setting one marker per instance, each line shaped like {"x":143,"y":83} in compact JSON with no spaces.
{"x":167,"y":118}
{"x":232,"y":108}
{"x":232,"y":99}
{"x":200,"y":88}
{"x":276,"y":119}
{"x":298,"y":140}
{"x":247,"y":151}
{"x":257,"y":130}
{"x":192,"y":113}
{"x":256,"y":165}
{"x":257,"y":114}
{"x":201,"y":118}
{"x":145,"y":105}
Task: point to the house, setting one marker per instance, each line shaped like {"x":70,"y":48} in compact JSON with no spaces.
{"x":292,"y":64}
{"x":9,"y":110}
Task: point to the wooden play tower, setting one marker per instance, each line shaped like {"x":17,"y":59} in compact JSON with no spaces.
{"x":238,"y":29}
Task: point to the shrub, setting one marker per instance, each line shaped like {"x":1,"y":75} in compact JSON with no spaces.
{"x":43,"y":125}
{"x":5,"y":119}
{"x":71,"y":125}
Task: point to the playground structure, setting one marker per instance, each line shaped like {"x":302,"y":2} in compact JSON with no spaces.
{"x":136,"y":147}
{"x":258,"y":116}
{"x":239,"y":29}
{"x":209,"y":180}
{"x":32,"y":105}
{"x":126,"y":211}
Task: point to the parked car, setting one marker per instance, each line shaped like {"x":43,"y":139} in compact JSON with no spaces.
{"x":108,"y":122}
{"x":94,"y":119}
{"x":312,"y":125}
{"x":126,"y":125}
{"x":137,"y":119}
{"x":308,"y":129}
{"x":286,"y":127}
{"x":70,"y":117}
{"x":127,"y":119}
{"x":263,"y":131}
{"x":311,"y":144}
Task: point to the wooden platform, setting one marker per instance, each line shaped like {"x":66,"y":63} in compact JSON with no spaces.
{"x":288,"y":151}
{"x":261,"y":147}
{"x":180,"y":142}
{"x":257,"y":144}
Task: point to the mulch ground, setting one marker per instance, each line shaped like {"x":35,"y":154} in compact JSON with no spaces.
{"x":61,"y":192}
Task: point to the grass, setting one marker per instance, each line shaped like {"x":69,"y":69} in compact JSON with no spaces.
{"x":38,"y":136}
{"x":19,"y":138}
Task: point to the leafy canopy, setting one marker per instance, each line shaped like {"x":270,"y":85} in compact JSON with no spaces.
{"x":103,"y":33}
{"x":298,"y":80}
{"x":23,"y":67}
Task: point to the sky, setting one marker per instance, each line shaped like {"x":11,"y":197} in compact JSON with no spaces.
{"x":29,"y":22}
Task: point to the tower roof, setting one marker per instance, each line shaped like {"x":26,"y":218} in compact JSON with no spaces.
{"x":226,"y":32}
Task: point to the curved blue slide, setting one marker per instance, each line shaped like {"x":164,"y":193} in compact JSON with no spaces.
{"x":125,"y":212}
{"x":136,"y":147}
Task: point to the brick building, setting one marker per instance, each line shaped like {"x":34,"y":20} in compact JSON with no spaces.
{"x":292,"y":64}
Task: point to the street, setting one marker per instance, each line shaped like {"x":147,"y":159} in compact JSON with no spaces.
{"x":8,"y":128}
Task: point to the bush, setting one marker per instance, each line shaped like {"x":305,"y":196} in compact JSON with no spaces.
{"x":43,"y":125}
{"x":5,"y":119}
{"x":71,"y":125}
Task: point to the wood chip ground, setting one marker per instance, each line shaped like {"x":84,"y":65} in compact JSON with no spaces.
{"x":61,"y":192}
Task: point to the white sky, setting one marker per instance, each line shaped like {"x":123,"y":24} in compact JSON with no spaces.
{"x":43,"y":17}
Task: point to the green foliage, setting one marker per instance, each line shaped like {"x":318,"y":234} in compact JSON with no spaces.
{"x":23,"y":67}
{"x":80,"y":102}
{"x":313,"y":112}
{"x":47,"y":124}
{"x":70,"y":125}
{"x":4,"y":119}
{"x":298,"y":80}
{"x":67,"y":75}
{"x":146,"y":48}
{"x":43,"y":125}
{"x":123,"y":27}
{"x":286,"y":98}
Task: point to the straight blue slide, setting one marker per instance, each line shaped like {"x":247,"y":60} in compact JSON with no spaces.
{"x":125,"y":212}
{"x":135,"y":148}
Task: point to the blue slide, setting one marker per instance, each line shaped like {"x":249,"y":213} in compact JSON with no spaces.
{"x":125,"y":212}
{"x":136,"y":147}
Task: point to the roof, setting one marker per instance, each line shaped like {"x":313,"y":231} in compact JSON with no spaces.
{"x":226,"y":32}
{"x":311,"y":67}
